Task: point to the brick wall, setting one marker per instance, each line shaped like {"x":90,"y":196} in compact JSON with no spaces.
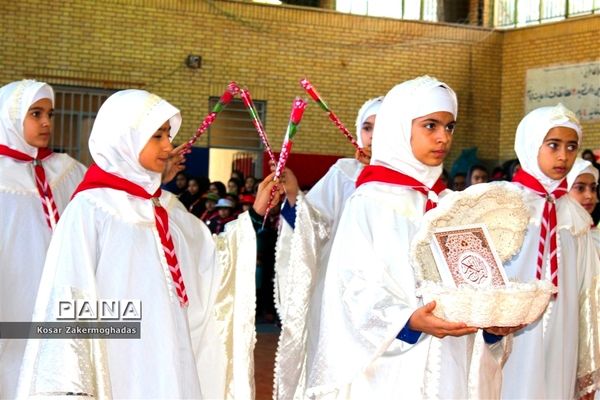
{"x":143,"y":44}
{"x":567,"y":42}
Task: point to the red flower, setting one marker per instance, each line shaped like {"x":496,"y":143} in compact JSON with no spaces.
{"x":312,"y":92}
{"x":233,"y":88}
{"x":298,"y":108}
{"x":226,"y":98}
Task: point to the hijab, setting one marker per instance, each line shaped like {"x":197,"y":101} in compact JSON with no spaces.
{"x":531,"y":132}
{"x":581,"y":167}
{"x":369,"y":108}
{"x":15,"y":100}
{"x":123,"y":126}
{"x":412,"y":99}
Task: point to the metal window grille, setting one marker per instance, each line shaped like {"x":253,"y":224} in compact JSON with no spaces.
{"x":425,"y":10}
{"x":75,"y":110}
{"x":233,"y":129}
{"x":513,"y":13}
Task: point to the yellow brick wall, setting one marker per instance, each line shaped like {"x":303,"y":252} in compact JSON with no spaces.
{"x":143,"y":44}
{"x":567,"y":42}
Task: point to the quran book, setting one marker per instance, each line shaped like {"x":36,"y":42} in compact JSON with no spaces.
{"x":465,"y":256}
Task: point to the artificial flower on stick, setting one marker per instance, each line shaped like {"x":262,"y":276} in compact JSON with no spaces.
{"x":298,"y":107}
{"x":224,"y":100}
{"x":312,"y":92}
{"x":247,"y":99}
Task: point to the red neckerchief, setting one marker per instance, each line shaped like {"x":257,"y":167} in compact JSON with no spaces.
{"x":548,"y":225}
{"x":43,"y":187}
{"x":96,"y":177}
{"x":378,"y":173}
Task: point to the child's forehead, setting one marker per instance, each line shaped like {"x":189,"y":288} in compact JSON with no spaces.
{"x":41,"y":104}
{"x":437,"y":116}
{"x":562,"y":133}
{"x":165,"y":126}
{"x":585,"y":177}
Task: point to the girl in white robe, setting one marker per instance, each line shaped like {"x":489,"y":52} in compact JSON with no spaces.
{"x":27,"y":216}
{"x":582,"y":183}
{"x":557,"y":356}
{"x":302,"y":254}
{"x":375,"y":333}
{"x":121,"y":238}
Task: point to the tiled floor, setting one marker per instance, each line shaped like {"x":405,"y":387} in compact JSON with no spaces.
{"x":264,"y":357}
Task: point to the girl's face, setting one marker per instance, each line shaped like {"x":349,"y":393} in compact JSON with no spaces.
{"x":224,"y":212}
{"x":155,"y":153}
{"x":249,"y":184}
{"x":479,"y":176}
{"x":558,"y":152}
{"x":193,"y":187}
{"x":366,"y":131}
{"x":232,"y":187}
{"x":181,"y":181}
{"x":431,"y":137}
{"x":210,"y":204}
{"x":585,"y":191}
{"x":37,"y":126}
{"x":459,"y":183}
{"x":213,"y":189}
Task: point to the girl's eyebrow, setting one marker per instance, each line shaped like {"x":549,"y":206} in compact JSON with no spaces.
{"x":437,"y":121}
{"x":553,"y":139}
{"x":430,"y":119}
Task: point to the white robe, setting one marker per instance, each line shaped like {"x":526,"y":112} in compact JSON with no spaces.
{"x":234,"y":314}
{"x":118,"y":255}
{"x":301,"y":259}
{"x":545,"y":355}
{"x":596,"y":236}
{"x":368,"y":297}
{"x":24,"y":240}
{"x":330,"y":193}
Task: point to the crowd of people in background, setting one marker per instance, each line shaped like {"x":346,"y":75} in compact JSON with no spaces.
{"x":217,"y":204}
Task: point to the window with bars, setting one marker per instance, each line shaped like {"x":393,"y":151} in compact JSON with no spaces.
{"x":233,"y":129}
{"x":75,"y":110}
{"x":425,"y":10}
{"x":514,"y":13}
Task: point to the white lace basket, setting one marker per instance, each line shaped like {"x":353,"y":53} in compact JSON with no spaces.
{"x":500,"y":207}
{"x":512,"y":305}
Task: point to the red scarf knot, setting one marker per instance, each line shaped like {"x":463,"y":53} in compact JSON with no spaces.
{"x":43,"y":187}
{"x":549,"y":221}
{"x":378,"y":173}
{"x":95,"y":177}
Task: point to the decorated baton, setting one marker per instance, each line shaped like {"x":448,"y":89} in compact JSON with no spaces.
{"x":247,"y":99}
{"x":312,"y":92}
{"x":298,"y":107}
{"x":230,"y":92}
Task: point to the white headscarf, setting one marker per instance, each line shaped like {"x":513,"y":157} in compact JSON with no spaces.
{"x":371,"y":107}
{"x":15,"y":100}
{"x":531,"y":132}
{"x":391,"y":138}
{"x":581,"y":167}
{"x":124,"y":124}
